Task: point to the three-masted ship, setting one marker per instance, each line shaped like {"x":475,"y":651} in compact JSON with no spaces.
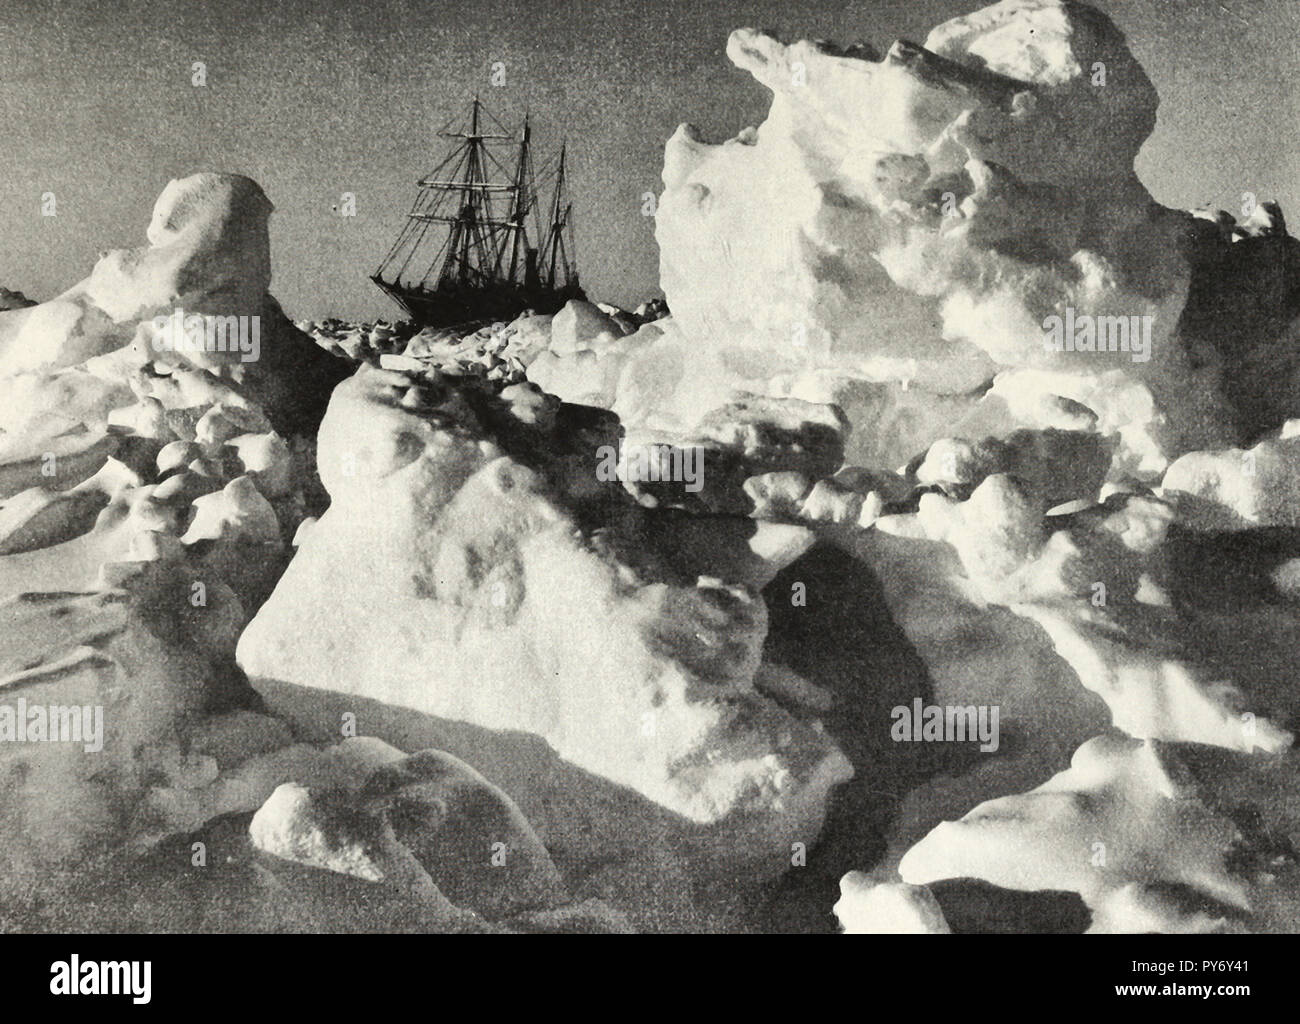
{"x":477,"y":244}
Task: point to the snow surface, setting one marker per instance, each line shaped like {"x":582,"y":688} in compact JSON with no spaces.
{"x":365,"y":610}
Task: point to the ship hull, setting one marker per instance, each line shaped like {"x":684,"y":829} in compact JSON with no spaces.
{"x":449,"y":308}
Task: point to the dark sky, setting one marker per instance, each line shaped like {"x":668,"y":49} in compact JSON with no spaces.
{"x":314,"y":99}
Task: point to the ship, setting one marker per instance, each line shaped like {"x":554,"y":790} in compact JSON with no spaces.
{"x":478,"y":246}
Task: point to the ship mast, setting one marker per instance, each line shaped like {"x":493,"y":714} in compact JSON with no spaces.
{"x":558,"y":246}
{"x":471,"y":246}
{"x":523,"y":201}
{"x":494,"y":258}
{"x":459,"y":194}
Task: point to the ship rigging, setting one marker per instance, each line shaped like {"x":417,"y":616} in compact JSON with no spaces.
{"x":477,"y":244}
